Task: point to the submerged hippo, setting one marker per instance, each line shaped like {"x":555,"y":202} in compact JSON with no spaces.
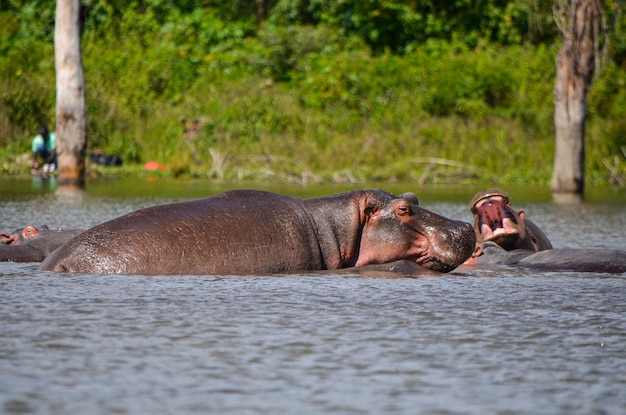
{"x":557,"y":259}
{"x":256,"y":232}
{"x":507,"y":237}
{"x":495,"y":220}
{"x":31,"y":244}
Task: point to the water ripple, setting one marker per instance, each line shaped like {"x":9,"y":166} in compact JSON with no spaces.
{"x":484,"y":341}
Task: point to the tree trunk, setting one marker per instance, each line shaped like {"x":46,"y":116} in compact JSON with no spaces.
{"x":575,"y":65}
{"x":71,"y":109}
{"x":260,"y":11}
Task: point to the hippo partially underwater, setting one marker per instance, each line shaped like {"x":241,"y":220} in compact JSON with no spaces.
{"x":256,"y":232}
{"x":556,"y":259}
{"x":496,"y":221}
{"x":506,"y":237}
{"x":32,"y":244}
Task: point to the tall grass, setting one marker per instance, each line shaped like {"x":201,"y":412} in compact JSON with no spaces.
{"x":300,"y":104}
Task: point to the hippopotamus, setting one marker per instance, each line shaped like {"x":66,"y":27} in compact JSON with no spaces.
{"x":495,"y":220}
{"x":256,"y":232}
{"x":556,"y":259}
{"x":507,"y":237}
{"x":32,"y":244}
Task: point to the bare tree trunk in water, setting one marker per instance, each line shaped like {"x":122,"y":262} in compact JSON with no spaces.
{"x":71,"y":109}
{"x":575,"y":65}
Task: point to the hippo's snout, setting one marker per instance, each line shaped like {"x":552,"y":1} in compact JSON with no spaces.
{"x":452,"y":246}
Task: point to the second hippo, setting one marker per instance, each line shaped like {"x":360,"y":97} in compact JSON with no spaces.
{"x":558,"y":259}
{"x":32,"y":244}
{"x":495,"y":220}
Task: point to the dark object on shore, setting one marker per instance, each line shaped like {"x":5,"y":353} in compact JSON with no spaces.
{"x":106,"y":159}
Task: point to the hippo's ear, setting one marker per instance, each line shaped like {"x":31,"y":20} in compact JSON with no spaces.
{"x":5,"y":238}
{"x":410,"y":197}
{"x":30,"y":232}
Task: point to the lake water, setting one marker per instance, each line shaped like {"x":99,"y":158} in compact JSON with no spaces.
{"x":496,"y":340}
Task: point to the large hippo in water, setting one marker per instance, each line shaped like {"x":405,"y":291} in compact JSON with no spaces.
{"x":256,"y":232}
{"x":32,"y":244}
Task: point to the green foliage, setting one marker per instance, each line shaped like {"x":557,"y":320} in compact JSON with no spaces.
{"x":321,"y":90}
{"x":479,"y":82}
{"x":284,"y":51}
{"x":400,"y":26}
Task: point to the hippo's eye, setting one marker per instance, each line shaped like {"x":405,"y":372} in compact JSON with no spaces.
{"x":403,"y":209}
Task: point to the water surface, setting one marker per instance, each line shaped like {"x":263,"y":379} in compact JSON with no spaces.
{"x":496,"y":340}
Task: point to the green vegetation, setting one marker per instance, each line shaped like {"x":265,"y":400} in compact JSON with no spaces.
{"x":317,"y":90}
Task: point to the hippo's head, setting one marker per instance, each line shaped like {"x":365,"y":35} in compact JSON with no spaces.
{"x":20,"y":235}
{"x":399,"y":229}
{"x":495,"y":220}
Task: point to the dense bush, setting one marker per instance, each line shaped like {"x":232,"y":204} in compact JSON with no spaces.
{"x":314,"y":90}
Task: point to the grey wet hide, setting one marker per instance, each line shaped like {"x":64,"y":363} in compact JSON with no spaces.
{"x":254,"y":232}
{"x":32,"y":244}
{"x":555,"y":259}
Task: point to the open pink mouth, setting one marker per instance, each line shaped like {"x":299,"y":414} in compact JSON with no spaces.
{"x":494,"y":233}
{"x":495,"y":221}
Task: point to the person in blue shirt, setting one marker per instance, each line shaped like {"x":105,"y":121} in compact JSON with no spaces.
{"x":44,"y":150}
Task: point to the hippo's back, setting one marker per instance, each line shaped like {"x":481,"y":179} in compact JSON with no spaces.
{"x":236,"y":232}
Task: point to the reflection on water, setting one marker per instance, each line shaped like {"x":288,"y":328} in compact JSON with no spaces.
{"x":497,"y":340}
{"x":151,"y":187}
{"x":41,"y":184}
